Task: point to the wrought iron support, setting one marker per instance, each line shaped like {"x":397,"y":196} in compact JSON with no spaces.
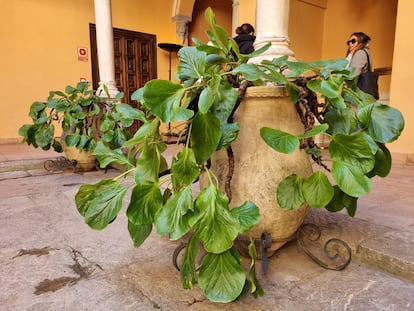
{"x":335,"y":254}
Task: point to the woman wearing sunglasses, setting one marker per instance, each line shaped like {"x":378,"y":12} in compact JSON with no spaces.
{"x":358,"y":52}
{"x":359,"y":57}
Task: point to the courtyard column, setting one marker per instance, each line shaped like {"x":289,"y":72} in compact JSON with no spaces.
{"x":272,"y":20}
{"x":105,"y":47}
{"x":235,"y":17}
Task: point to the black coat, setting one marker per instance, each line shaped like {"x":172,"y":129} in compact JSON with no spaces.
{"x":245,"y":43}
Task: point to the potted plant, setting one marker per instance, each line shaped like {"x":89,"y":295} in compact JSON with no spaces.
{"x":85,"y":117}
{"x":213,"y":79}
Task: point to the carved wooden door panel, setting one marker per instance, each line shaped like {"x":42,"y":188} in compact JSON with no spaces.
{"x":135,"y":62}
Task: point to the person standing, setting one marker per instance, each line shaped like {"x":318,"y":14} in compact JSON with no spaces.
{"x":359,"y":57}
{"x":245,"y":38}
{"x":358,"y":52}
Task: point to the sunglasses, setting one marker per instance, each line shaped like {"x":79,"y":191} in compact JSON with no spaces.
{"x":351,"y":41}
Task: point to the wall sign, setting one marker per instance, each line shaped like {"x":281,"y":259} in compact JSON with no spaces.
{"x":82,"y":54}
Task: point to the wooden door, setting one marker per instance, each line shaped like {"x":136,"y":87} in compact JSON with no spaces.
{"x":135,"y":62}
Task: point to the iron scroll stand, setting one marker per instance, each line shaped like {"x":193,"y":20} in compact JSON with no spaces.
{"x":334,"y":254}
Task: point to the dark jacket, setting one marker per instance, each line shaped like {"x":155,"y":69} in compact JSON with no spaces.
{"x":245,"y":43}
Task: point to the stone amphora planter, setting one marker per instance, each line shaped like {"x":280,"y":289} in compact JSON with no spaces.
{"x":258,"y":169}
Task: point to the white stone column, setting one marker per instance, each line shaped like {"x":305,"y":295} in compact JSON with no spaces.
{"x":105,"y":47}
{"x":272,"y":20}
{"x":235,"y":17}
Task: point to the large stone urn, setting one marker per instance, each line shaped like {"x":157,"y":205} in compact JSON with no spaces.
{"x":258,"y":169}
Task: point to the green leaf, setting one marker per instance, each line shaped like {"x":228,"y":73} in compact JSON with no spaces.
{"x":383,"y":162}
{"x":188,"y":269}
{"x":213,"y":223}
{"x":164,"y":99}
{"x":146,"y":200}
{"x":249,"y":71}
{"x":148,"y":164}
{"x":221,"y":276}
{"x":192,"y":62}
{"x":205,"y":136}
{"x":100,"y":203}
{"x":43,"y":136}
{"x":248,"y":215}
{"x":35,"y":108}
{"x":341,"y":121}
{"x":256,"y":289}
{"x":353,"y":150}
{"x":184,"y":169}
{"x":206,"y":100}
{"x":318,"y":129}
{"x":173,"y":218}
{"x":230,"y":131}
{"x":384,"y":123}
{"x":139,"y":233}
{"x":128,"y":112}
{"x":279,"y":140}
{"x":289,"y":192}
{"x":350,"y":179}
{"x":225,"y":100}
{"x":317,"y":190}
{"x":72,"y":139}
{"x":106,"y":155}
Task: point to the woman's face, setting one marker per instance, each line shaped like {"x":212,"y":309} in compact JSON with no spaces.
{"x":353,"y":44}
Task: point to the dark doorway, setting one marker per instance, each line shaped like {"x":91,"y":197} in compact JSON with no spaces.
{"x":135,"y":61}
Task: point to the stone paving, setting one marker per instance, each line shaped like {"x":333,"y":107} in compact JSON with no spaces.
{"x":51,"y":260}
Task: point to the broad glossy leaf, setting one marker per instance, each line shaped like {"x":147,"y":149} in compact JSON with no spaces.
{"x":107,"y":123}
{"x":129,"y":112}
{"x":100,"y":203}
{"x":172,"y":218}
{"x":205,"y":136}
{"x":318,"y":129}
{"x":279,"y":140}
{"x":106,"y":155}
{"x":317,"y":190}
{"x":289,"y":192}
{"x":146,"y":200}
{"x":220,"y":34}
{"x":139,"y":233}
{"x":148,"y":131}
{"x":225,"y":100}
{"x":188,"y":269}
{"x":72,"y":139}
{"x":341,"y":121}
{"x":298,"y":68}
{"x":230,"y":131}
{"x":213,"y":223}
{"x":385,"y":123}
{"x":350,"y":179}
{"x":221,"y":276}
{"x":44,"y":135}
{"x":206,"y":100}
{"x":383,"y":162}
{"x":148,"y":164}
{"x":353,"y":150}
{"x":35,"y":108}
{"x":248,"y":215}
{"x":184,"y":169}
{"x":329,"y":88}
{"x":164,"y":99}
{"x":336,"y":204}
{"x":192,"y":62}
{"x":249,"y":71}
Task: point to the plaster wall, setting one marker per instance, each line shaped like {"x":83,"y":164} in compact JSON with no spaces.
{"x":401,"y":82}
{"x":40,"y":41}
